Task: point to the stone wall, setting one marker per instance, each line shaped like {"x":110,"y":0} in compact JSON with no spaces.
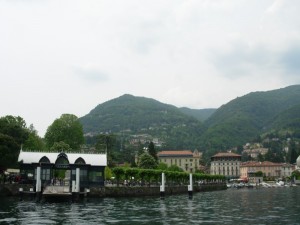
{"x":122,"y":191}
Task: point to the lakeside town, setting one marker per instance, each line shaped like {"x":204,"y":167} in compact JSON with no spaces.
{"x":88,"y":170}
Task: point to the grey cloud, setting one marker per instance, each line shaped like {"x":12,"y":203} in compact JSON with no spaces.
{"x":290,"y":61}
{"x":244,"y":61}
{"x":91,"y":75}
{"x":241,"y":60}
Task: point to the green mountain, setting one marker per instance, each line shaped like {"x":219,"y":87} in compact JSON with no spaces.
{"x":288,"y":120}
{"x":235,"y":123}
{"x":199,"y":114}
{"x":244,"y":118}
{"x":130,"y":115}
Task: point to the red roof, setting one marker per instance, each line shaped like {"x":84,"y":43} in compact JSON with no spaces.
{"x":177,"y":153}
{"x":258,"y":164}
{"x":226,"y":154}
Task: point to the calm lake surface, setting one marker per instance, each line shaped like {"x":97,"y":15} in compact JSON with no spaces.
{"x":232,"y":206}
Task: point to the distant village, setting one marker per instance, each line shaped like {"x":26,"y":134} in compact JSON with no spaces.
{"x":230,"y":164}
{"x":227,"y":163}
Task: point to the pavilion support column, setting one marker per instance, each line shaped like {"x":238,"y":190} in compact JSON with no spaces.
{"x":38,"y":185}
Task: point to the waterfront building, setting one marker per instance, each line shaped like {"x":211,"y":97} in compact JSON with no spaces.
{"x":185,"y":159}
{"x":62,"y":168}
{"x":226,"y":163}
{"x":269,"y":169}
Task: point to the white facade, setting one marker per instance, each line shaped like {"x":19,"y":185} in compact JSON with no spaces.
{"x":226,"y":164}
{"x":187,"y":160}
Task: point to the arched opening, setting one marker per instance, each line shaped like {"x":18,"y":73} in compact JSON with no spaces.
{"x":62,"y":161}
{"x":44,"y":159}
{"x":61,"y":171}
{"x":80,"y":161}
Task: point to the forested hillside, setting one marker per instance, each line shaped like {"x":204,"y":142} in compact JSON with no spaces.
{"x":244,"y":118}
{"x":130,"y":115}
{"x":235,"y":123}
{"x":200,"y":114}
{"x":288,"y":120}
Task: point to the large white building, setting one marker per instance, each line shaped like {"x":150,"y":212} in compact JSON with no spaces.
{"x":226,"y":163}
{"x":269,"y":169}
{"x":187,"y":160}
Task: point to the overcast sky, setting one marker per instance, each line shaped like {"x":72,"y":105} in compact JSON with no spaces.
{"x":62,"y":56}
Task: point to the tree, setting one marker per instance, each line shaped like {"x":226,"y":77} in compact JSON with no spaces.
{"x":147,"y":162}
{"x":60,"y":146}
{"x":162,"y":166}
{"x":67,"y":129}
{"x":33,"y":142}
{"x":105,"y":144}
{"x":152,"y":151}
{"x":108,"y":173}
{"x":296,"y":174}
{"x":175,"y":168}
{"x":9,"y":151}
{"x":259,"y":174}
{"x":239,"y":149}
{"x":292,"y":153}
{"x":260,"y":157}
{"x":14,"y":127}
{"x":13,"y":133}
{"x":246,"y":157}
{"x":269,"y":155}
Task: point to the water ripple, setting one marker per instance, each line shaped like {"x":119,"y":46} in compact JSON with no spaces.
{"x":256,"y":206}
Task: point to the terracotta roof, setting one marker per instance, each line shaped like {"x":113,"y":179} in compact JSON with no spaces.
{"x":226,"y":154}
{"x":175,"y":153}
{"x":259,"y":164}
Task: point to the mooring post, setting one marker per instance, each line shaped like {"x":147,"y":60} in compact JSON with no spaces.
{"x":21,"y":193}
{"x":162,"y":186}
{"x":38,"y":185}
{"x":76,"y":186}
{"x":190,"y":187}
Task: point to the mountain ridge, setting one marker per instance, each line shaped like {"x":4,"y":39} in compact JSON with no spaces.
{"x":234,"y":123}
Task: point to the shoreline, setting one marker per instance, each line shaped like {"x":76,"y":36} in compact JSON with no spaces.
{"x":121,"y":191}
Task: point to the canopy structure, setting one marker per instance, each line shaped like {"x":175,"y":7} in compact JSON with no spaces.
{"x":37,"y":157}
{"x":61,"y":167}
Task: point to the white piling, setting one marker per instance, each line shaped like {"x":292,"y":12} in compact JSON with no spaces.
{"x":162,"y":186}
{"x":38,"y":185}
{"x":77,"y":187}
{"x":190,"y":187}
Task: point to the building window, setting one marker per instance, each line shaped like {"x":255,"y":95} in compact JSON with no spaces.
{"x":45,"y":174}
{"x":80,"y":161}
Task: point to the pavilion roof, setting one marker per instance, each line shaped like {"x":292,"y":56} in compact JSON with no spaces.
{"x":91,"y":159}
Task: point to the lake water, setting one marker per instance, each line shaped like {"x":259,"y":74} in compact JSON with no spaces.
{"x":232,"y":206}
